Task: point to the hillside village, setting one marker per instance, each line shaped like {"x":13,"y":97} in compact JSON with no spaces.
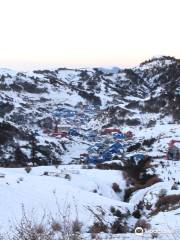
{"x":103,"y":142}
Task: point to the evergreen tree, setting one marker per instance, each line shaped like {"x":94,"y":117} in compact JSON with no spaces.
{"x":20,"y":157}
{"x":33,"y":143}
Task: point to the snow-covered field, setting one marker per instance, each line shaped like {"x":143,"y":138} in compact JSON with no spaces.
{"x":41,"y":193}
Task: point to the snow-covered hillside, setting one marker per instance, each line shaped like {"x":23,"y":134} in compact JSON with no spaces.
{"x":97,"y":139}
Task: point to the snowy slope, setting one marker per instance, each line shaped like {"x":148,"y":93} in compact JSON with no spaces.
{"x":39,"y":192}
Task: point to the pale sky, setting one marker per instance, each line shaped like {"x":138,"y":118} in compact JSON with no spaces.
{"x":87,"y":32}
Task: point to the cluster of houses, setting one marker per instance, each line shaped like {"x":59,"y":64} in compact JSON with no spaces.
{"x":68,"y":121}
{"x":101,"y":152}
{"x":64,"y":130}
{"x":109,"y":142}
{"x":77,"y":116}
{"x":105,"y":143}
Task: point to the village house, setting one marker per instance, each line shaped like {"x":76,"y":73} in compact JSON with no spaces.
{"x":110,"y":131}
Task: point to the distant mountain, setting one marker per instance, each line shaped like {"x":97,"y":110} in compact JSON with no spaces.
{"x":119,"y":97}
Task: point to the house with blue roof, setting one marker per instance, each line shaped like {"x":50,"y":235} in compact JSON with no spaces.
{"x":138,"y":157}
{"x":73,"y":132}
{"x":118,"y":136}
{"x":106,"y":156}
{"x":94,"y":158}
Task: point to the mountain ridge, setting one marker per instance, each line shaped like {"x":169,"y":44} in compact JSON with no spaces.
{"x":122,"y":98}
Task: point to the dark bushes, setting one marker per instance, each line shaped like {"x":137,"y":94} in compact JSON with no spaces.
{"x":148,"y":142}
{"x":119,"y":227}
{"x":116,"y":187}
{"x":98,"y":227}
{"x":133,"y":122}
{"x":134,"y":147}
{"x":137,"y":213}
{"x":110,"y":166}
{"x":90,"y":97}
{"x":5,"y":108}
{"x":164,"y":202}
{"x":143,"y":224}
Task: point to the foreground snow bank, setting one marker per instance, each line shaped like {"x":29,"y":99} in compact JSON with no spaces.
{"x":42,"y":194}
